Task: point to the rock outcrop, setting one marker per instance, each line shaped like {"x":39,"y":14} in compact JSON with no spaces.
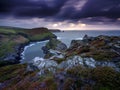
{"x":55,"y":45}
{"x":54,"y":49}
{"x":101,"y":48}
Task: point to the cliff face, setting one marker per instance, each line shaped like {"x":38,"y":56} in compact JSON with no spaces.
{"x":12,"y":40}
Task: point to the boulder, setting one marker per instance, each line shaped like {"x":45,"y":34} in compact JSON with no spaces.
{"x":43,"y":65}
{"x":55,"y":45}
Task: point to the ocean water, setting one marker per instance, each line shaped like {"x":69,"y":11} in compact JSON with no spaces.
{"x":34,"y":49}
{"x":67,"y":36}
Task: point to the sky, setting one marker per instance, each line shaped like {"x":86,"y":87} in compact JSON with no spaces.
{"x":61,"y":14}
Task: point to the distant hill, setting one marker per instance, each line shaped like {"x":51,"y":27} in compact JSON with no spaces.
{"x":10,"y":27}
{"x":55,"y":30}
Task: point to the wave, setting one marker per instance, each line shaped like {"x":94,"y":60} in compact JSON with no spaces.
{"x":59,"y":38}
{"x":78,"y":38}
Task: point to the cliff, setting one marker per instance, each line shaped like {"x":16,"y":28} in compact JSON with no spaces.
{"x":12,"y":40}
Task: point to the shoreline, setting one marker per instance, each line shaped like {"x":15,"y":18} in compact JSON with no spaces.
{"x":21,"y":47}
{"x":29,"y":45}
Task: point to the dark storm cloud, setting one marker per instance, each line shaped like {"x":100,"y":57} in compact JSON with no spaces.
{"x":30,"y":8}
{"x":93,"y":8}
{"x":57,"y":10}
{"x":108,"y":8}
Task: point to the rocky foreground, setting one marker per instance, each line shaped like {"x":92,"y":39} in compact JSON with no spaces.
{"x":89,"y":64}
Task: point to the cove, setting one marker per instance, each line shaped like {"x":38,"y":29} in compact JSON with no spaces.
{"x":32,"y":50}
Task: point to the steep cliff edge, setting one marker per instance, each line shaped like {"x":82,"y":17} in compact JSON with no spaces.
{"x":12,"y":40}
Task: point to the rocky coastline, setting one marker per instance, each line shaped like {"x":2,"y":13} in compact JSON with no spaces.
{"x":89,"y":64}
{"x":89,"y":52}
{"x":20,"y":40}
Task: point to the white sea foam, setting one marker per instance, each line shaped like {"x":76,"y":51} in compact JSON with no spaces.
{"x":78,"y":38}
{"x":59,"y":38}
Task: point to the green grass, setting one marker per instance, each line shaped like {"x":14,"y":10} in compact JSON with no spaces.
{"x":6,"y":47}
{"x":11,"y":30}
{"x":41,"y":36}
{"x":7,"y":31}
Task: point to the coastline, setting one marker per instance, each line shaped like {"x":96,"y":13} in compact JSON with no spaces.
{"x":29,"y":45}
{"x":21,"y":47}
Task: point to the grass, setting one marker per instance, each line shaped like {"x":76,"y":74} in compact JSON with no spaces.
{"x":6,"y":47}
{"x":7,"y":31}
{"x":41,"y":36}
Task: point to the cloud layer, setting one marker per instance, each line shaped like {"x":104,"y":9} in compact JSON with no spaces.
{"x":85,"y":11}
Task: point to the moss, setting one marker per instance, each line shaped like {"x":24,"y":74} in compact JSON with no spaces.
{"x":68,"y":84}
{"x":59,"y":60}
{"x":104,"y":55}
{"x":101,"y":78}
{"x":106,"y":77}
{"x":51,"y":85}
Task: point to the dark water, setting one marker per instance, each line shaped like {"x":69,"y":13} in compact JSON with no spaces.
{"x":34,"y":50}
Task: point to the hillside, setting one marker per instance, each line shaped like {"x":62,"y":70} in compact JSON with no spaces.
{"x":12,"y":40}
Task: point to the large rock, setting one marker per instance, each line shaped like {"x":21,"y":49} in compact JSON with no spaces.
{"x":56,"y":45}
{"x":42,"y":65}
{"x":53,"y":47}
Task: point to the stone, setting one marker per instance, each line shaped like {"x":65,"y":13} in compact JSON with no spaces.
{"x":43,"y":65}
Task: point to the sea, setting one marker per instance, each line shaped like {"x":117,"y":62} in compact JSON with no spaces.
{"x":34,"y":49}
